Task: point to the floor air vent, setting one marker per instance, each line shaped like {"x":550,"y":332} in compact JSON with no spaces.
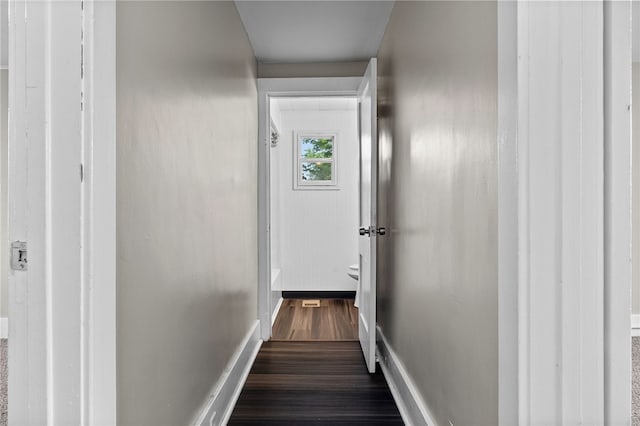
{"x":311,"y":303}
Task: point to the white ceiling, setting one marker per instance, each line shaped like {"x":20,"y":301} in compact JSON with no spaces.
{"x":314,"y":31}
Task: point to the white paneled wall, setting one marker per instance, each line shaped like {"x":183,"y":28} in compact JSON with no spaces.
{"x":314,"y":232}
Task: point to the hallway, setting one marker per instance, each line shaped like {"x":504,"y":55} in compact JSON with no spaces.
{"x":313,"y":371}
{"x":314,"y":383}
{"x":493,"y":229}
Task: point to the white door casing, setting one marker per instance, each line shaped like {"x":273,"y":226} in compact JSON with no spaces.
{"x":27,"y":401}
{"x":62,"y":353}
{"x":562,"y":326}
{"x":617,"y":210}
{"x":282,"y":87}
{"x":326,"y":86}
{"x":367,"y":104}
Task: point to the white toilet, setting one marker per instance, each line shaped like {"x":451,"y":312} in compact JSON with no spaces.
{"x":354,"y":271}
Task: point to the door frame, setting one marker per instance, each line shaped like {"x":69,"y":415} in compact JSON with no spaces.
{"x":617,"y":210}
{"x":574,"y":311}
{"x":507,"y":213}
{"x":62,"y":354}
{"x":281,"y":87}
{"x":560,"y":213}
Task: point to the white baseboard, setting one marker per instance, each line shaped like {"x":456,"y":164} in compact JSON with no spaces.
{"x":635,"y":325}
{"x":413,"y":409}
{"x":4,"y":328}
{"x":218,"y":407}
{"x":276,"y":310}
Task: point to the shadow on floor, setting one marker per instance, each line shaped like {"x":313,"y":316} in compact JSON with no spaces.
{"x":314,"y":383}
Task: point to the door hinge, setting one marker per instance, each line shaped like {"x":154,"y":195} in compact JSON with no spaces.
{"x":19,"y":256}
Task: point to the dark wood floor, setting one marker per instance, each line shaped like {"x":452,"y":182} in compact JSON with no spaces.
{"x":335,"y":319}
{"x":314,"y":383}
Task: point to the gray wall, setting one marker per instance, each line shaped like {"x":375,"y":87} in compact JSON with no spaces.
{"x":4,"y":200}
{"x":438,"y":300}
{"x":186,"y":203}
{"x":636,"y":189}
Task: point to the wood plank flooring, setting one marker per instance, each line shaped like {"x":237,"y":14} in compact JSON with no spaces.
{"x":314,"y":383}
{"x":335,"y":319}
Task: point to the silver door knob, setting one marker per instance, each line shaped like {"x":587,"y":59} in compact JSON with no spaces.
{"x":364,"y":231}
{"x":382,"y":231}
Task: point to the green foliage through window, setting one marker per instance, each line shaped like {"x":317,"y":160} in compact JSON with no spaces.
{"x":317,"y":147}
{"x":316,"y":160}
{"x":316,"y":171}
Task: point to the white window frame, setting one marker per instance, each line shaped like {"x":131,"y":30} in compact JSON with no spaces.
{"x":298,"y":182}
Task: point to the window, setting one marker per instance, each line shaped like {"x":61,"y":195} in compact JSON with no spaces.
{"x":315,"y":161}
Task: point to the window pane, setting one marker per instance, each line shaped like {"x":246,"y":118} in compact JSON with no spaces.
{"x":316,"y":171}
{"x":316,"y":147}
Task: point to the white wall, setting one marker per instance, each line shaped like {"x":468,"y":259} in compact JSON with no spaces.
{"x":186,"y":204}
{"x":312,"y":69}
{"x":276,"y":114}
{"x":317,"y":228}
{"x":438,"y":265}
{"x":636,"y":188}
{"x":4,"y":145}
{"x":4,"y":34}
{"x":275,"y":191}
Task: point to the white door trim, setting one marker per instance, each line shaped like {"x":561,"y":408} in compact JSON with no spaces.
{"x":635,"y":328}
{"x":27,"y":401}
{"x":617,"y":211}
{"x":573,"y":209}
{"x":99,"y":213}
{"x":267,"y":88}
{"x":62,"y":202}
{"x":507,"y":214}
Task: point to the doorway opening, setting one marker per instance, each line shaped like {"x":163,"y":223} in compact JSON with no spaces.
{"x":315,"y":165}
{"x":314,"y":193}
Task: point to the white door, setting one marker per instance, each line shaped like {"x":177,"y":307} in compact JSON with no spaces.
{"x":368,"y":191}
